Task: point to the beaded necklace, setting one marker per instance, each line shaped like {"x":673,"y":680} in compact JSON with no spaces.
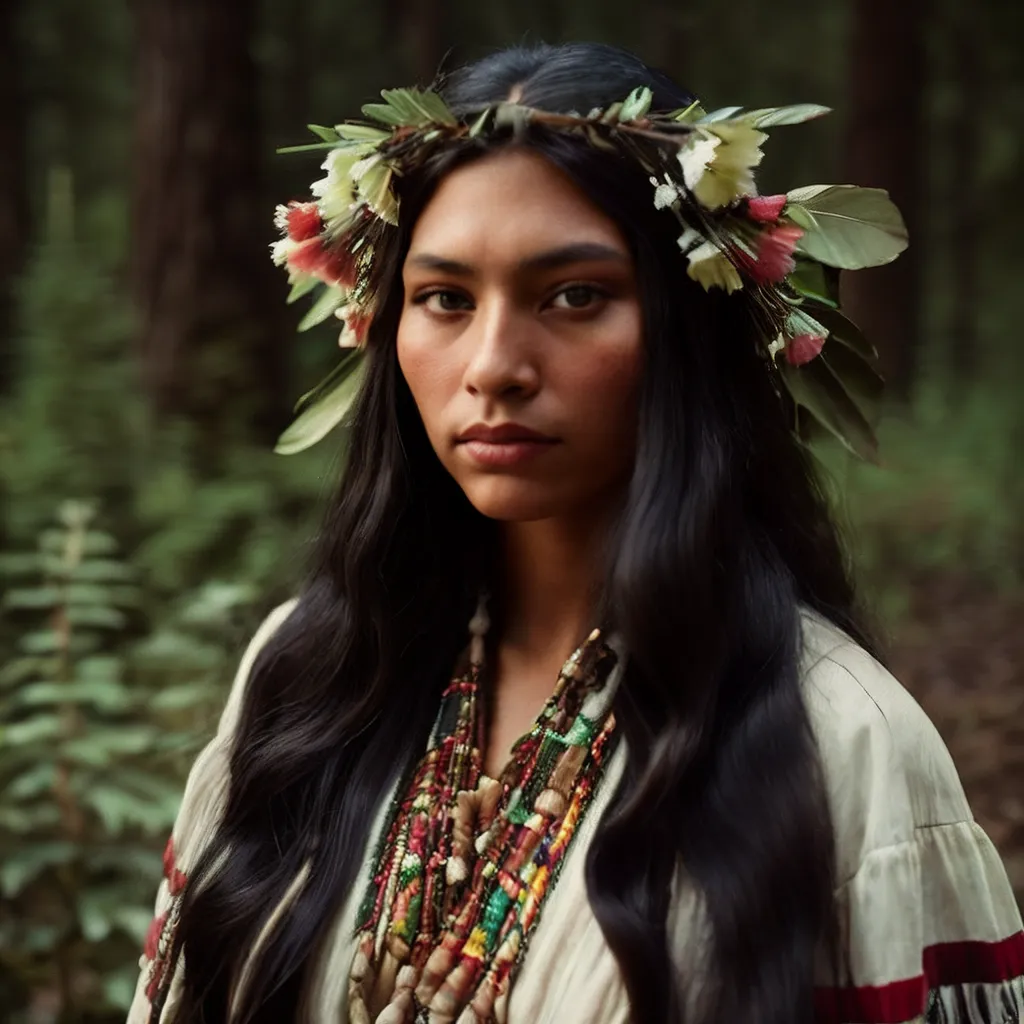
{"x":464,"y":865}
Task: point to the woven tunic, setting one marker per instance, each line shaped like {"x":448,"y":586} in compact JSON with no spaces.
{"x":930,"y":929}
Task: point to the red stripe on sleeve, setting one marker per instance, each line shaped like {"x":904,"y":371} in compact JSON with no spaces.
{"x":946,"y":963}
{"x":961,"y":963}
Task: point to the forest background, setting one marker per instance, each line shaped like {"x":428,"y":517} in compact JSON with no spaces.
{"x":148,"y":360}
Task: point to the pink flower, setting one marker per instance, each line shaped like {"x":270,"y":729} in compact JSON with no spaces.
{"x":152,"y":943}
{"x":765,"y":209}
{"x":332,"y":265}
{"x":803,"y":348}
{"x":774,"y":254}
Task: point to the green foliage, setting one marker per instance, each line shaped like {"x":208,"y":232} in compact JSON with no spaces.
{"x":946,"y":496}
{"x":99,"y":719}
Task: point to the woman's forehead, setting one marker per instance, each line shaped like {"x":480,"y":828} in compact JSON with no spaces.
{"x":513,"y":203}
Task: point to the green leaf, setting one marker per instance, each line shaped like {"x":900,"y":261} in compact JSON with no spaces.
{"x":320,"y":417}
{"x":96,"y":617}
{"x":98,"y":570}
{"x":19,"y":670}
{"x":25,"y":863}
{"x":41,"y":641}
{"x":412,"y":107}
{"x":19,"y":564}
{"x":801,"y":322}
{"x":40,"y":729}
{"x":303,"y":286}
{"x":38,"y":779}
{"x":722,"y":114}
{"x":689,"y":115}
{"x":637,"y":104}
{"x":330,"y":299}
{"x":816,"y":281}
{"x":773,"y":117}
{"x":480,"y":123}
{"x":327,"y":134}
{"x":847,"y":226}
{"x":360,"y":132}
{"x":310,"y":147}
{"x":105,"y":695}
{"x":349,"y":362}
{"x":858,"y":378}
{"x":33,"y":598}
{"x":843,"y":330}
{"x":815,"y":387}
{"x":118,"y":809}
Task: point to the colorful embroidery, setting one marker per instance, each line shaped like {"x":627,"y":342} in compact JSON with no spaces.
{"x":467,"y":861}
{"x":160,"y":937}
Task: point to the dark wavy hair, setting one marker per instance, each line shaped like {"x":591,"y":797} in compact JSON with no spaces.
{"x":723,"y":538}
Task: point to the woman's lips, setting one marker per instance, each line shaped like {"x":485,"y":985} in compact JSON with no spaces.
{"x":505,"y":444}
{"x":504,"y":453}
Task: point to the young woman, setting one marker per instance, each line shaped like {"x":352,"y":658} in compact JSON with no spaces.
{"x":588,"y":355}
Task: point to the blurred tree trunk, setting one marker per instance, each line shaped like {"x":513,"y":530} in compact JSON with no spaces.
{"x":670,"y":44}
{"x":422,"y":28}
{"x":966,"y":201}
{"x":209,"y":300}
{"x":886,"y":148}
{"x":13,"y":182}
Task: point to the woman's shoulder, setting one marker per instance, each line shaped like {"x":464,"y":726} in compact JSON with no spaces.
{"x":887,"y":770}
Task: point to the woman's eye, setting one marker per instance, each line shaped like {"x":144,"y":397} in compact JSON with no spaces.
{"x":442,"y":301}
{"x":578,"y":296}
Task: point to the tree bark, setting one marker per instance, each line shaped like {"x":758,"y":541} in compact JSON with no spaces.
{"x":14,"y":213}
{"x":669,"y":48}
{"x":966,"y":199}
{"x":209,"y":300}
{"x":886,"y":149}
{"x":421,"y":28}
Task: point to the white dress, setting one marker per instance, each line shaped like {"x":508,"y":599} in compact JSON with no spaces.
{"x":930,"y":928}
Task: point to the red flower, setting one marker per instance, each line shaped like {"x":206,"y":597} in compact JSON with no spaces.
{"x":765,"y":209}
{"x":333,"y":264}
{"x":774,"y":254}
{"x":357,"y":322}
{"x":152,"y":943}
{"x":303,"y":221}
{"x":803,"y":348}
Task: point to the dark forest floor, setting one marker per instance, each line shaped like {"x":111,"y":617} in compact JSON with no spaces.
{"x":960,"y":651}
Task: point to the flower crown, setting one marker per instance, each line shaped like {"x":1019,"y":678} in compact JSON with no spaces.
{"x":781,"y":253}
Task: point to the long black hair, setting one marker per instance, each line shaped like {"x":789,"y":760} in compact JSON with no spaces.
{"x":723,"y":538}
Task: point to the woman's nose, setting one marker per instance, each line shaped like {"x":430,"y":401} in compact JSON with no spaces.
{"x":501,"y":351}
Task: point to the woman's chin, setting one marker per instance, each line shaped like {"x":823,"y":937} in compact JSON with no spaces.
{"x":511,"y":500}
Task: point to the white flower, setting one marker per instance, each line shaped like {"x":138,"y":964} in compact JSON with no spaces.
{"x":710,"y":268}
{"x":281,"y":250}
{"x":665,"y":195}
{"x":695,"y":156}
{"x":337,"y":190}
{"x":688,"y":239}
{"x":718,"y":169}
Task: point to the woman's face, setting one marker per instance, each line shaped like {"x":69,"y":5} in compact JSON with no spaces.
{"x":522,"y":312}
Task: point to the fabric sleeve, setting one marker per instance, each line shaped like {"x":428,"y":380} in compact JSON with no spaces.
{"x":201,"y":808}
{"x":932,"y":933}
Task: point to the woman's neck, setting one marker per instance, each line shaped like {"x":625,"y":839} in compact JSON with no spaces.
{"x":551,"y":571}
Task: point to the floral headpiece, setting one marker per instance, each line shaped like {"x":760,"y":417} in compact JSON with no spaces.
{"x":780,"y":253}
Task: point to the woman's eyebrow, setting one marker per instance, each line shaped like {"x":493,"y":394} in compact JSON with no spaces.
{"x":549,"y":259}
